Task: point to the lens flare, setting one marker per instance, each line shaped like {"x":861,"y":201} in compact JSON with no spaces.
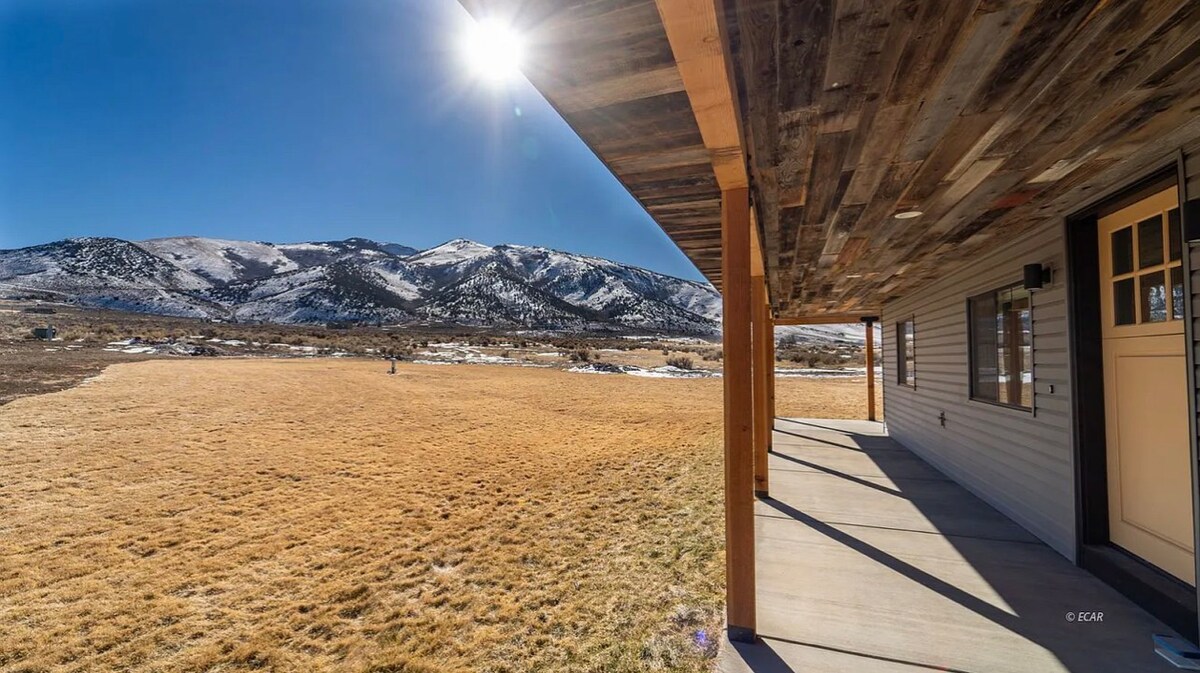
{"x":493,"y":51}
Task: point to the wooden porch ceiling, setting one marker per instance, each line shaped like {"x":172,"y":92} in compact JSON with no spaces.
{"x":986,"y":115}
{"x":977,"y":113}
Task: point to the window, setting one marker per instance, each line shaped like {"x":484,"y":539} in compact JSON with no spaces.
{"x":1001,"y":343}
{"x":906,"y":354}
{"x":1147,"y":271}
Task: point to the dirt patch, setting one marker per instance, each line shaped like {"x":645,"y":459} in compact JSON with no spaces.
{"x":37,"y":367}
{"x":321,"y":515}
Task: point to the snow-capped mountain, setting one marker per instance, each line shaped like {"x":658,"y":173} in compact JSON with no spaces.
{"x":359,"y":280}
{"x":222,"y":261}
{"x":106,"y":272}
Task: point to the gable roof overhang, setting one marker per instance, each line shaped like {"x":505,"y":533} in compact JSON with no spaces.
{"x":987,"y":116}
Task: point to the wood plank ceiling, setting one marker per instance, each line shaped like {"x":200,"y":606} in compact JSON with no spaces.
{"x":977,"y":113}
{"x":982,"y":114}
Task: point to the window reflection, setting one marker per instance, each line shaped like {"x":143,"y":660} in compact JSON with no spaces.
{"x":1002,"y":347}
{"x":1153,"y":297}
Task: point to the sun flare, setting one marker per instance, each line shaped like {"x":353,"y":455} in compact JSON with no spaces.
{"x":493,"y":51}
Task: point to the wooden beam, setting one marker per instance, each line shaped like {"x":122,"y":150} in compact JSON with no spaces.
{"x":763,"y":334}
{"x":739,"y":416}
{"x":757,"y":253}
{"x":695,"y":29}
{"x":869,"y":324}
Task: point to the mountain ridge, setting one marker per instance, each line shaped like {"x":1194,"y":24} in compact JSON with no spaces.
{"x":360,"y":280}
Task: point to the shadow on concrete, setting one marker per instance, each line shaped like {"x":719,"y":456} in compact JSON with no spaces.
{"x":760,"y":657}
{"x":1036,"y":586}
{"x":841,"y":475}
{"x":911,"y":572}
{"x":826,"y":442}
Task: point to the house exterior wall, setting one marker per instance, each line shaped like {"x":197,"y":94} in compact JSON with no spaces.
{"x":1191,"y":190}
{"x":1018,"y":461}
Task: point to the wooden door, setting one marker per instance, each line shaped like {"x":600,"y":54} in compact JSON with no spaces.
{"x":1145,"y":384}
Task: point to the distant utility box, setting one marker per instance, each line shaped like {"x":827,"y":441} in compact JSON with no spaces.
{"x":46,"y":333}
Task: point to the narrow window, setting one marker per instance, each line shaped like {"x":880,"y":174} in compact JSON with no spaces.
{"x":1001,"y":347}
{"x":906,"y":354}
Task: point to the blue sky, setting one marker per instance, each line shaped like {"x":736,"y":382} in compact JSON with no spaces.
{"x":289,"y":120}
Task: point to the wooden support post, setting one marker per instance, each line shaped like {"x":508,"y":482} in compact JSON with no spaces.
{"x":739,"y":415}
{"x":869,"y":323}
{"x":762,"y":333}
{"x":771,"y":382}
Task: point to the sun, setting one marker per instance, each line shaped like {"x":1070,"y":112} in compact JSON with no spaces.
{"x":493,"y":51}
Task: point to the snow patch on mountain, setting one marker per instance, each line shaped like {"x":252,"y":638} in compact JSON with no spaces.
{"x":219,"y":260}
{"x":452,"y":253}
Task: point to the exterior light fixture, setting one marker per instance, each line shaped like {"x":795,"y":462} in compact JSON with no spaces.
{"x":1035,"y":277}
{"x":1191,"y":220}
{"x":908,"y":214}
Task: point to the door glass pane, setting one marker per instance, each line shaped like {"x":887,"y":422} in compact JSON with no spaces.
{"x":1123,"y":302}
{"x":1153,"y":297}
{"x":1174,"y":234}
{"x":1122,"y":251}
{"x":1150,"y":242}
{"x":1177,"y":293}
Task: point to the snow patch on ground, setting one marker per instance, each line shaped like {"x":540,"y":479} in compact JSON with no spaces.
{"x":666,"y":372}
{"x":595,"y":369}
{"x":456,"y":353}
{"x":669,"y":372}
{"x":816,"y":373}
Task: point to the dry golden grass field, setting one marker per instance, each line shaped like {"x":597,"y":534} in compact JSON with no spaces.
{"x":320,"y":515}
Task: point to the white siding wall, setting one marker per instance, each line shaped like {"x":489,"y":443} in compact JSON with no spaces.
{"x":1018,"y":461}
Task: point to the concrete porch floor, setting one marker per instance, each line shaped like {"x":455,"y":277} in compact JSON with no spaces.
{"x":871,"y":561}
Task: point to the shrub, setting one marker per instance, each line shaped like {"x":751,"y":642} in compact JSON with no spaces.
{"x":680,"y":361}
{"x":581,"y":355}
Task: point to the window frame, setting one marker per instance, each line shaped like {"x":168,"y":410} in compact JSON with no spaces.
{"x":972,"y":356}
{"x":906,"y":376}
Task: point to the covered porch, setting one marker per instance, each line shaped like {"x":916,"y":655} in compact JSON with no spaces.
{"x":820,"y":161}
{"x":869,"y":560}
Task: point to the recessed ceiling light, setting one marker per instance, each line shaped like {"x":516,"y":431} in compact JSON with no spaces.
{"x":908,"y":214}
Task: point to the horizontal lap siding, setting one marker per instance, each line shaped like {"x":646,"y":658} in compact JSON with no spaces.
{"x":1017,"y":461}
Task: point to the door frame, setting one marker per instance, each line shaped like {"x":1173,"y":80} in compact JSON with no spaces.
{"x":1171,"y":600}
